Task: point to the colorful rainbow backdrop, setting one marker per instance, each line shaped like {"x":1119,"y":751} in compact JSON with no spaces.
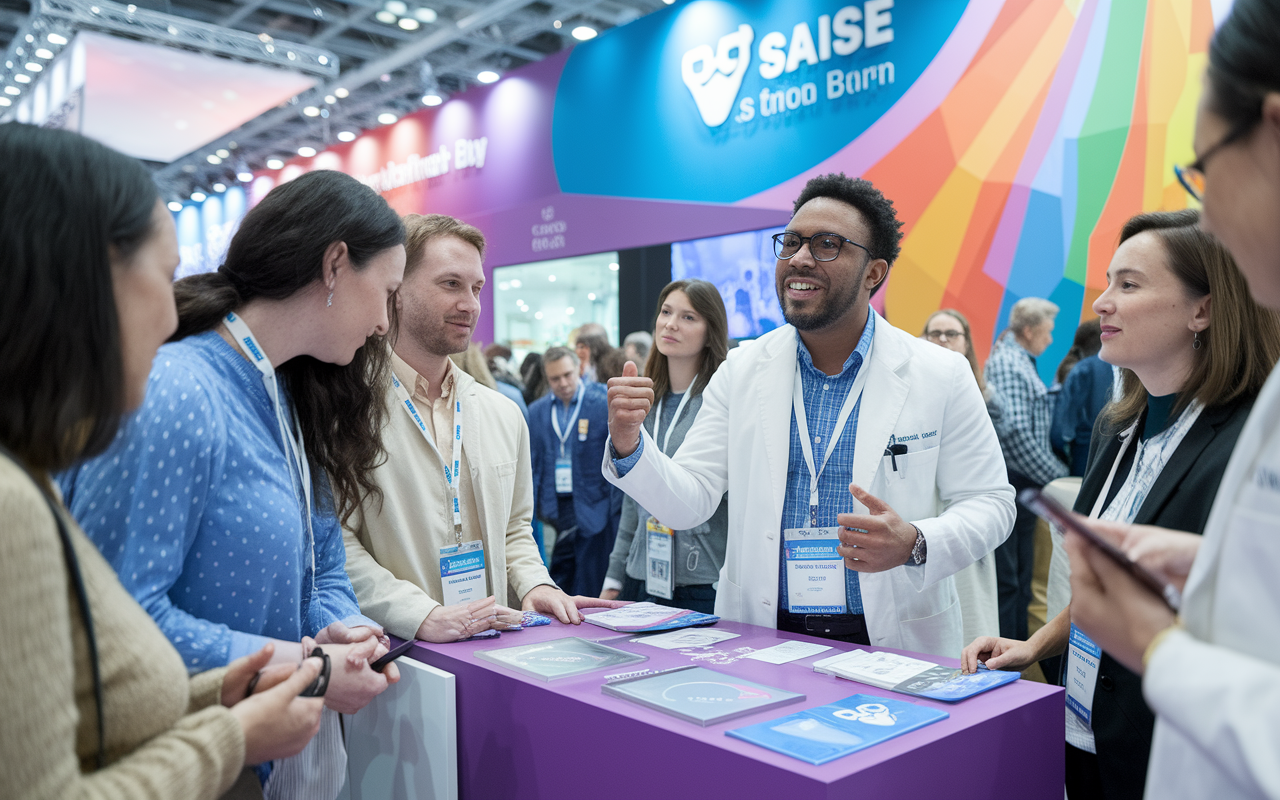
{"x":1067,"y":121}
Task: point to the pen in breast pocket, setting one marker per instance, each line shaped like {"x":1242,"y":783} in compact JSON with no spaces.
{"x":893,"y":451}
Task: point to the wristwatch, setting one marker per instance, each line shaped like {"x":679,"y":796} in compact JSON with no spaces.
{"x":919,"y":551}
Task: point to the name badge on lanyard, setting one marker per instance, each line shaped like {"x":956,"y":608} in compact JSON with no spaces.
{"x":451,"y":468}
{"x":294,"y":451}
{"x":1083,"y":657}
{"x":815,"y":571}
{"x":462,"y":572}
{"x":661,"y":540}
{"x":661,"y":544}
{"x":564,"y":463}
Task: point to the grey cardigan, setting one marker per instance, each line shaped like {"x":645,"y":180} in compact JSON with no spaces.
{"x":699,"y":552}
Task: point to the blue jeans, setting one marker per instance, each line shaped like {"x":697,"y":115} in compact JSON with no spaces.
{"x":698,"y":597}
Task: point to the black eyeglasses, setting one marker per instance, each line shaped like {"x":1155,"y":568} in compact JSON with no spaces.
{"x":1192,"y":175}
{"x":823,"y":246}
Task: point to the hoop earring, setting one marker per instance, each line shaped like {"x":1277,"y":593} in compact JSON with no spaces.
{"x":329,"y":303}
{"x":1196,"y":344}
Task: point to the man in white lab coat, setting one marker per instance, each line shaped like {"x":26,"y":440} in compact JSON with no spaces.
{"x":850,"y":511}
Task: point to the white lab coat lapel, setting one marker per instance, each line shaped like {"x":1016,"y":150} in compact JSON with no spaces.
{"x":773,"y":403}
{"x":882,"y":403}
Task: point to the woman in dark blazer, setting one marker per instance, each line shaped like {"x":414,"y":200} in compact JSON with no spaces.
{"x":1194,"y":351}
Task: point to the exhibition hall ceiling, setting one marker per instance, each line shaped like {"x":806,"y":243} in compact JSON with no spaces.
{"x":393,"y":55}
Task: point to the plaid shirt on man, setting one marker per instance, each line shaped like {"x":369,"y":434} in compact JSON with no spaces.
{"x":1024,"y":432}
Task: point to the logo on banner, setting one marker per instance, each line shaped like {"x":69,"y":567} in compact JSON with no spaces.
{"x":715,"y":77}
{"x":714,"y":101}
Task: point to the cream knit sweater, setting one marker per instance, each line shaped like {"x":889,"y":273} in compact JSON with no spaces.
{"x":167,"y":736}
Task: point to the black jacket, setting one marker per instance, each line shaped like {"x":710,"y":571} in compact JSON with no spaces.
{"x":1180,"y":499}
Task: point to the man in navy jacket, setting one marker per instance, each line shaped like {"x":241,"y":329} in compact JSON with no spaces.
{"x":568,"y":428}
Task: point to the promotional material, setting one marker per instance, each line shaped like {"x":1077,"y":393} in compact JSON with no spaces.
{"x":644,"y":617}
{"x":559,"y":658}
{"x":788,"y":652}
{"x":911,"y":675}
{"x":822,"y":734}
{"x":687,"y":638}
{"x":700,"y":695}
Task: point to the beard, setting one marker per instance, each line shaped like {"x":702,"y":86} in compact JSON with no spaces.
{"x":831,"y":308}
{"x":434,"y":335}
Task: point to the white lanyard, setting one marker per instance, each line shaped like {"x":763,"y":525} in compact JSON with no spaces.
{"x":802,"y":427}
{"x":293,"y":446}
{"x":657,"y":422}
{"x":450,"y":472}
{"x":568,"y":428}
{"x":1101,"y":502}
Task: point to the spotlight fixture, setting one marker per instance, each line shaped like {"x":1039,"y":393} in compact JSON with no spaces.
{"x":306,"y":151}
{"x":244,"y":177}
{"x":584,"y":32}
{"x":43,"y":53}
{"x":198,"y":197}
{"x":340,"y":92}
{"x":274,"y":163}
{"x":56,"y":38}
{"x":488,"y":76}
{"x":213,"y":159}
{"x":4,"y":101}
{"x":223,"y":153}
{"x":311,"y":111}
{"x":397,"y":7}
{"x":13,"y":90}
{"x":175,"y":206}
{"x":219,"y":187}
{"x":409,"y":24}
{"x":432,"y":99}
{"x":346,"y":136}
{"x":330,"y":99}
{"x":387,"y":118}
{"x":385,"y":17}
{"x":424,"y":14}
{"x":22,"y":77}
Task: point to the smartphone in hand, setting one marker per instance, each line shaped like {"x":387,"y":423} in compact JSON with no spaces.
{"x":391,"y":655}
{"x":1055,"y":512}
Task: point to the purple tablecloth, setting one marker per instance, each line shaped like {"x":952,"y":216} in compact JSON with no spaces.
{"x":524,"y":738}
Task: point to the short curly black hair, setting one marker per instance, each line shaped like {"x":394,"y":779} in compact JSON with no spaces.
{"x":876,"y":209}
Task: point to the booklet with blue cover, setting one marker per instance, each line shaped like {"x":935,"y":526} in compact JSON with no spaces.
{"x":822,"y":734}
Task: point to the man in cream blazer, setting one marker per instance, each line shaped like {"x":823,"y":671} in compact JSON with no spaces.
{"x":941,"y":489}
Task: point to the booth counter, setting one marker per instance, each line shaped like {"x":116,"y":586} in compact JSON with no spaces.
{"x":522,"y":737}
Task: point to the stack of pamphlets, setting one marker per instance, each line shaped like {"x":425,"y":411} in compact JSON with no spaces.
{"x":911,"y":675}
{"x":646,"y":617}
{"x":699,"y":695}
{"x":822,"y":734}
{"x":559,"y":658}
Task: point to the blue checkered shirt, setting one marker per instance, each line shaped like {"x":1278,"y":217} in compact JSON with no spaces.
{"x":1024,"y":429}
{"x":823,"y":396}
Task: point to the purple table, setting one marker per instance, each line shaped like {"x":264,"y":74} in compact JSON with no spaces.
{"x":520,"y":737}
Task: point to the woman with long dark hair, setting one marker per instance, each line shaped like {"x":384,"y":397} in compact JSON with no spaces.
{"x":94,"y":700}
{"x":650,"y":561}
{"x":220,"y":502}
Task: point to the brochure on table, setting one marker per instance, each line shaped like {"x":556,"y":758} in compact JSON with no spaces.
{"x":700,"y":695}
{"x":911,"y":675}
{"x":822,"y":734}
{"x":644,"y":617}
{"x":676,"y":640}
{"x":559,"y":658}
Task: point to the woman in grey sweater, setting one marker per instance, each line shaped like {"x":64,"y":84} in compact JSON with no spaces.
{"x":650,"y":561}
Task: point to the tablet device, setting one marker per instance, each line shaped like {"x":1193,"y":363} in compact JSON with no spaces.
{"x":1055,"y":512}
